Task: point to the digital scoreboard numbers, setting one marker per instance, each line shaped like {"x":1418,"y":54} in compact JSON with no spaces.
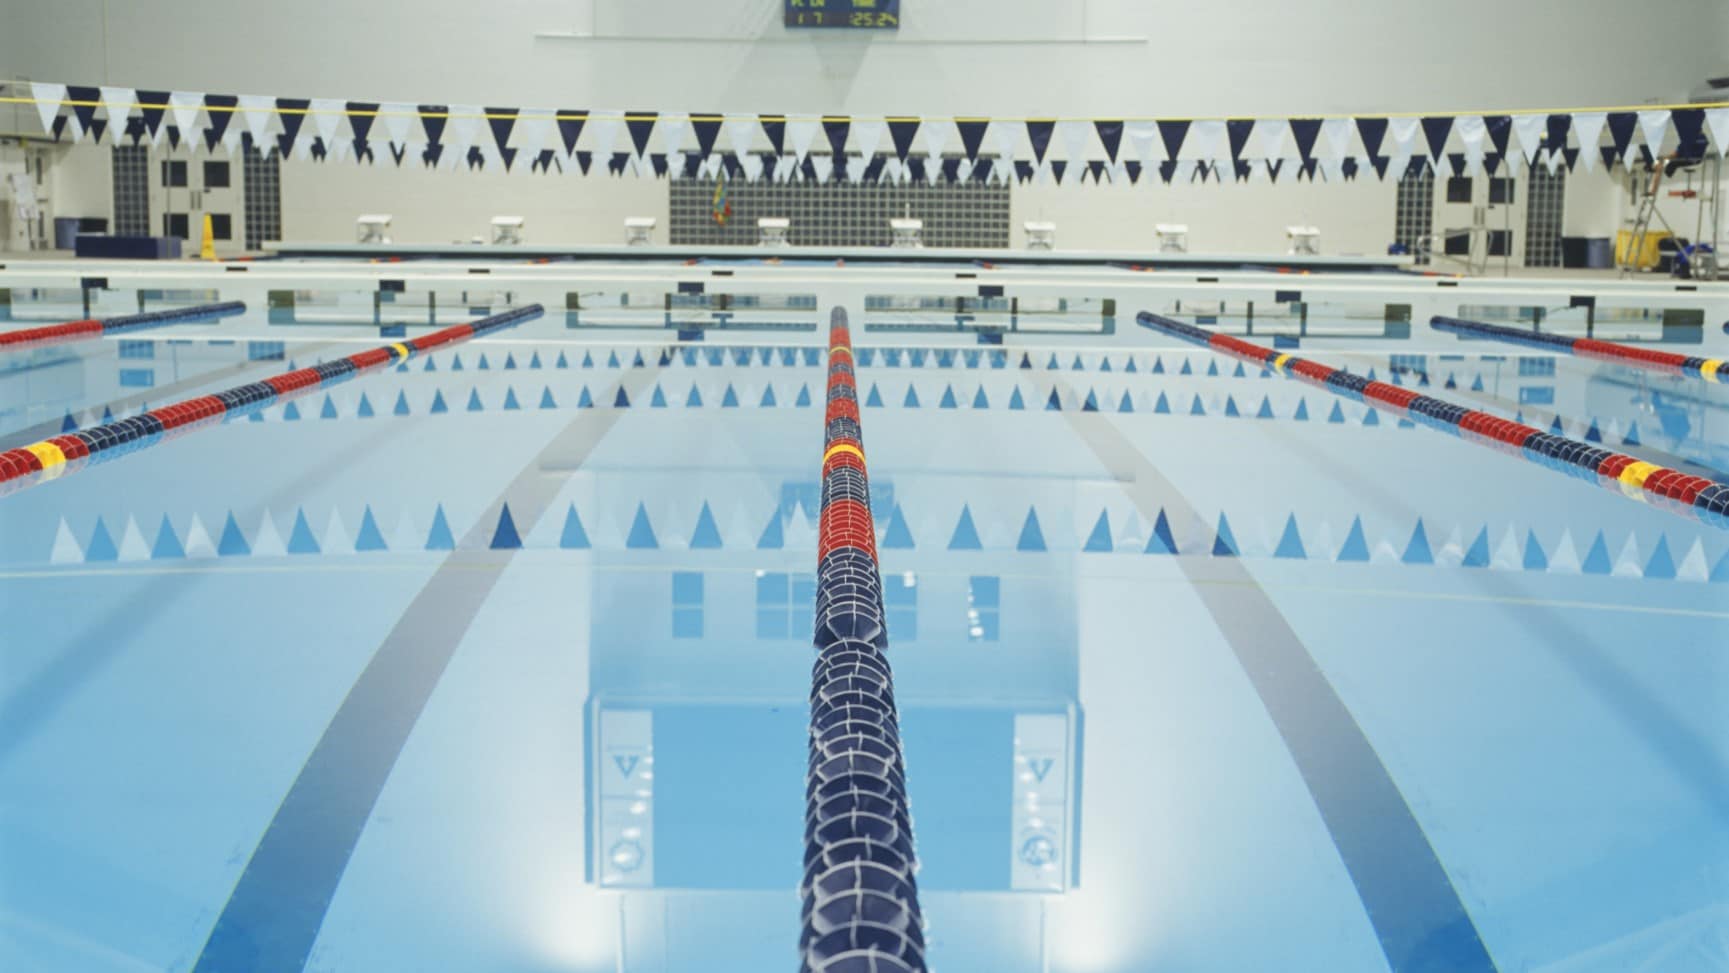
{"x":862,"y":14}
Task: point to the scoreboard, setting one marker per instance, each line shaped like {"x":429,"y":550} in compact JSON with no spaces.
{"x":866,"y":14}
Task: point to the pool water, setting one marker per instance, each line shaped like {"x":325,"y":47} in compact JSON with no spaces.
{"x":499,"y":660}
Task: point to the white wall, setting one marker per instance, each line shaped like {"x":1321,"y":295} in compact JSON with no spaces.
{"x":1002,"y":57}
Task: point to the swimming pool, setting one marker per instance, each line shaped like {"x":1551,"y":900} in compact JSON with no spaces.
{"x":498,"y":657}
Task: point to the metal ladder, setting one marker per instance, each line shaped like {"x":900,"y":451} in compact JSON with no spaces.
{"x":1642,"y":218}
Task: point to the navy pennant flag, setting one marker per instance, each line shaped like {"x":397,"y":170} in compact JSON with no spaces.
{"x":1039,"y":134}
{"x":972,"y":134}
{"x":570,"y":122}
{"x":707,"y":129}
{"x":774,"y":126}
{"x":1237,"y":130}
{"x":902,"y":131}
{"x":361,"y":116}
{"x":1111,"y":137}
{"x":84,"y":103}
{"x":220,"y":109}
{"x":502,"y":121}
{"x":836,"y":128}
{"x":292,"y":111}
{"x":1172,"y":133}
{"x":1436,"y":131}
{"x":1305,"y":131}
{"x":641,"y":126}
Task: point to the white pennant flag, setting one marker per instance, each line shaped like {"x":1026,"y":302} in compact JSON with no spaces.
{"x":1553,"y":159}
{"x":751,"y":162}
{"x":824,"y":166}
{"x":255,"y":113}
{"x":1589,"y":128}
{"x":533,"y":128}
{"x":602,"y":131}
{"x":1143,"y":139}
{"x":1655,"y":126}
{"x":1718,"y":120}
{"x":1403,"y":132}
{"x":742,"y":131}
{"x":800,"y":133}
{"x":1205,"y":142}
{"x":119,"y":103}
{"x":1119,"y":171}
{"x":893,"y":171}
{"x":964,"y":169}
{"x":183,"y":112}
{"x":1270,"y":138}
{"x":1077,"y":140}
{"x":1005,"y":137}
{"x":867,"y":136}
{"x":1472,"y":131}
{"x":673,"y":126}
{"x":1334,"y":144}
{"x":1529,"y":129}
{"x":48,"y":98}
{"x":327,"y":115}
{"x":397,"y":119}
{"x":936,"y":133}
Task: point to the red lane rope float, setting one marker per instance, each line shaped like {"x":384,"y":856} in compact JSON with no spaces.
{"x":1667,"y":362}
{"x":1675,"y":491}
{"x":52,"y":458}
{"x":861,"y":908}
{"x":71,"y":331}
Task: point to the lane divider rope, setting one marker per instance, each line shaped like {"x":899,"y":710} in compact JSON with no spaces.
{"x":1677,"y":492}
{"x":64,"y":454}
{"x":91,"y":329}
{"x":861,"y":905}
{"x":1667,"y":362}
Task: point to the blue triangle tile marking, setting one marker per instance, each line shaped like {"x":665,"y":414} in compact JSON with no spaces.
{"x":587,"y":359}
{"x":329,"y":409}
{"x":1519,"y":416}
{"x":1187,"y":369}
{"x":233,"y":542}
{"x":1127,"y":404}
{"x":1662,"y":564}
{"x":534,"y":359}
{"x":300,"y":537}
{"x":509,"y":361}
{"x":1032,"y":537}
{"x":621,"y":400}
{"x":1477,"y":384}
{"x":1163,"y":406}
{"x":1356,"y":545}
{"x":1477,"y":555}
{"x":254,"y":417}
{"x":1099,"y":541}
{"x":1371,"y":418}
{"x":1212,"y":368}
{"x":1399,"y":379}
{"x":1131,"y":367}
{"x":101,"y":546}
{"x":68,"y":424}
{"x":1238,"y":372}
{"x":1302,"y":413}
{"x":573,"y":537}
{"x":1196,"y":409}
{"x":706,"y":537}
{"x":1337,"y":415}
{"x":484,"y":365}
{"x":641,"y":532}
{"x":912,"y":398}
{"x":562,"y":361}
{"x":1594,"y":434}
{"x":875,"y":398}
{"x":456,"y":363}
{"x":370,"y":537}
{"x":1632,"y":437}
{"x":945,"y":358}
{"x":439,"y":538}
{"x":1422,"y":380}
{"x":167,"y":544}
{"x":546,"y":399}
{"x":803,"y":399}
{"x":1052,"y":364}
{"x":897,"y":536}
{"x":430,"y":366}
{"x":364,"y":410}
{"x":438,"y":405}
{"x":1451,"y":383}
{"x":948,"y":399}
{"x":1026,"y":362}
{"x":1162,"y":540}
{"x":999,"y":360}
{"x":1371,"y":375}
{"x":1266,"y":409}
{"x":1092,"y":402}
{"x":694,"y":399}
{"x":290,"y":412}
{"x":1077,"y":366}
{"x":979,"y":400}
{"x":1597,"y":558}
{"x":401,"y":407}
{"x":729,"y":398}
{"x":1556,"y":429}
{"x":510,"y":399}
{"x":716,"y":356}
{"x":773,"y":537}
{"x":1224,"y":543}
{"x":972,"y":358}
{"x":1405,"y":423}
{"x":637,"y":362}
{"x":1158,"y":365}
{"x":658,"y":399}
{"x":107,"y":415}
{"x":612,"y":359}
{"x":474,"y":401}
{"x":1291,"y":541}
{"x":764,"y":356}
{"x":966,"y":536}
{"x":1053,"y":404}
{"x":1231,"y":407}
{"x":768,"y":401}
{"x":504,"y":536}
{"x":1015,"y":400}
{"x":1417,"y":550}
{"x":1535,"y":559}
{"x":1104,"y":363}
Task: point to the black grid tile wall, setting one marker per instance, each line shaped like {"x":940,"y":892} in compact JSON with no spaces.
{"x":842,"y":214}
{"x":1414,"y":210}
{"x":261,"y":185}
{"x":1545,"y":208}
{"x":131,"y":190}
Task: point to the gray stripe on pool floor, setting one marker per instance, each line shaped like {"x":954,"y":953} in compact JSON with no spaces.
{"x":1409,"y":898}
{"x":273,"y":916}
